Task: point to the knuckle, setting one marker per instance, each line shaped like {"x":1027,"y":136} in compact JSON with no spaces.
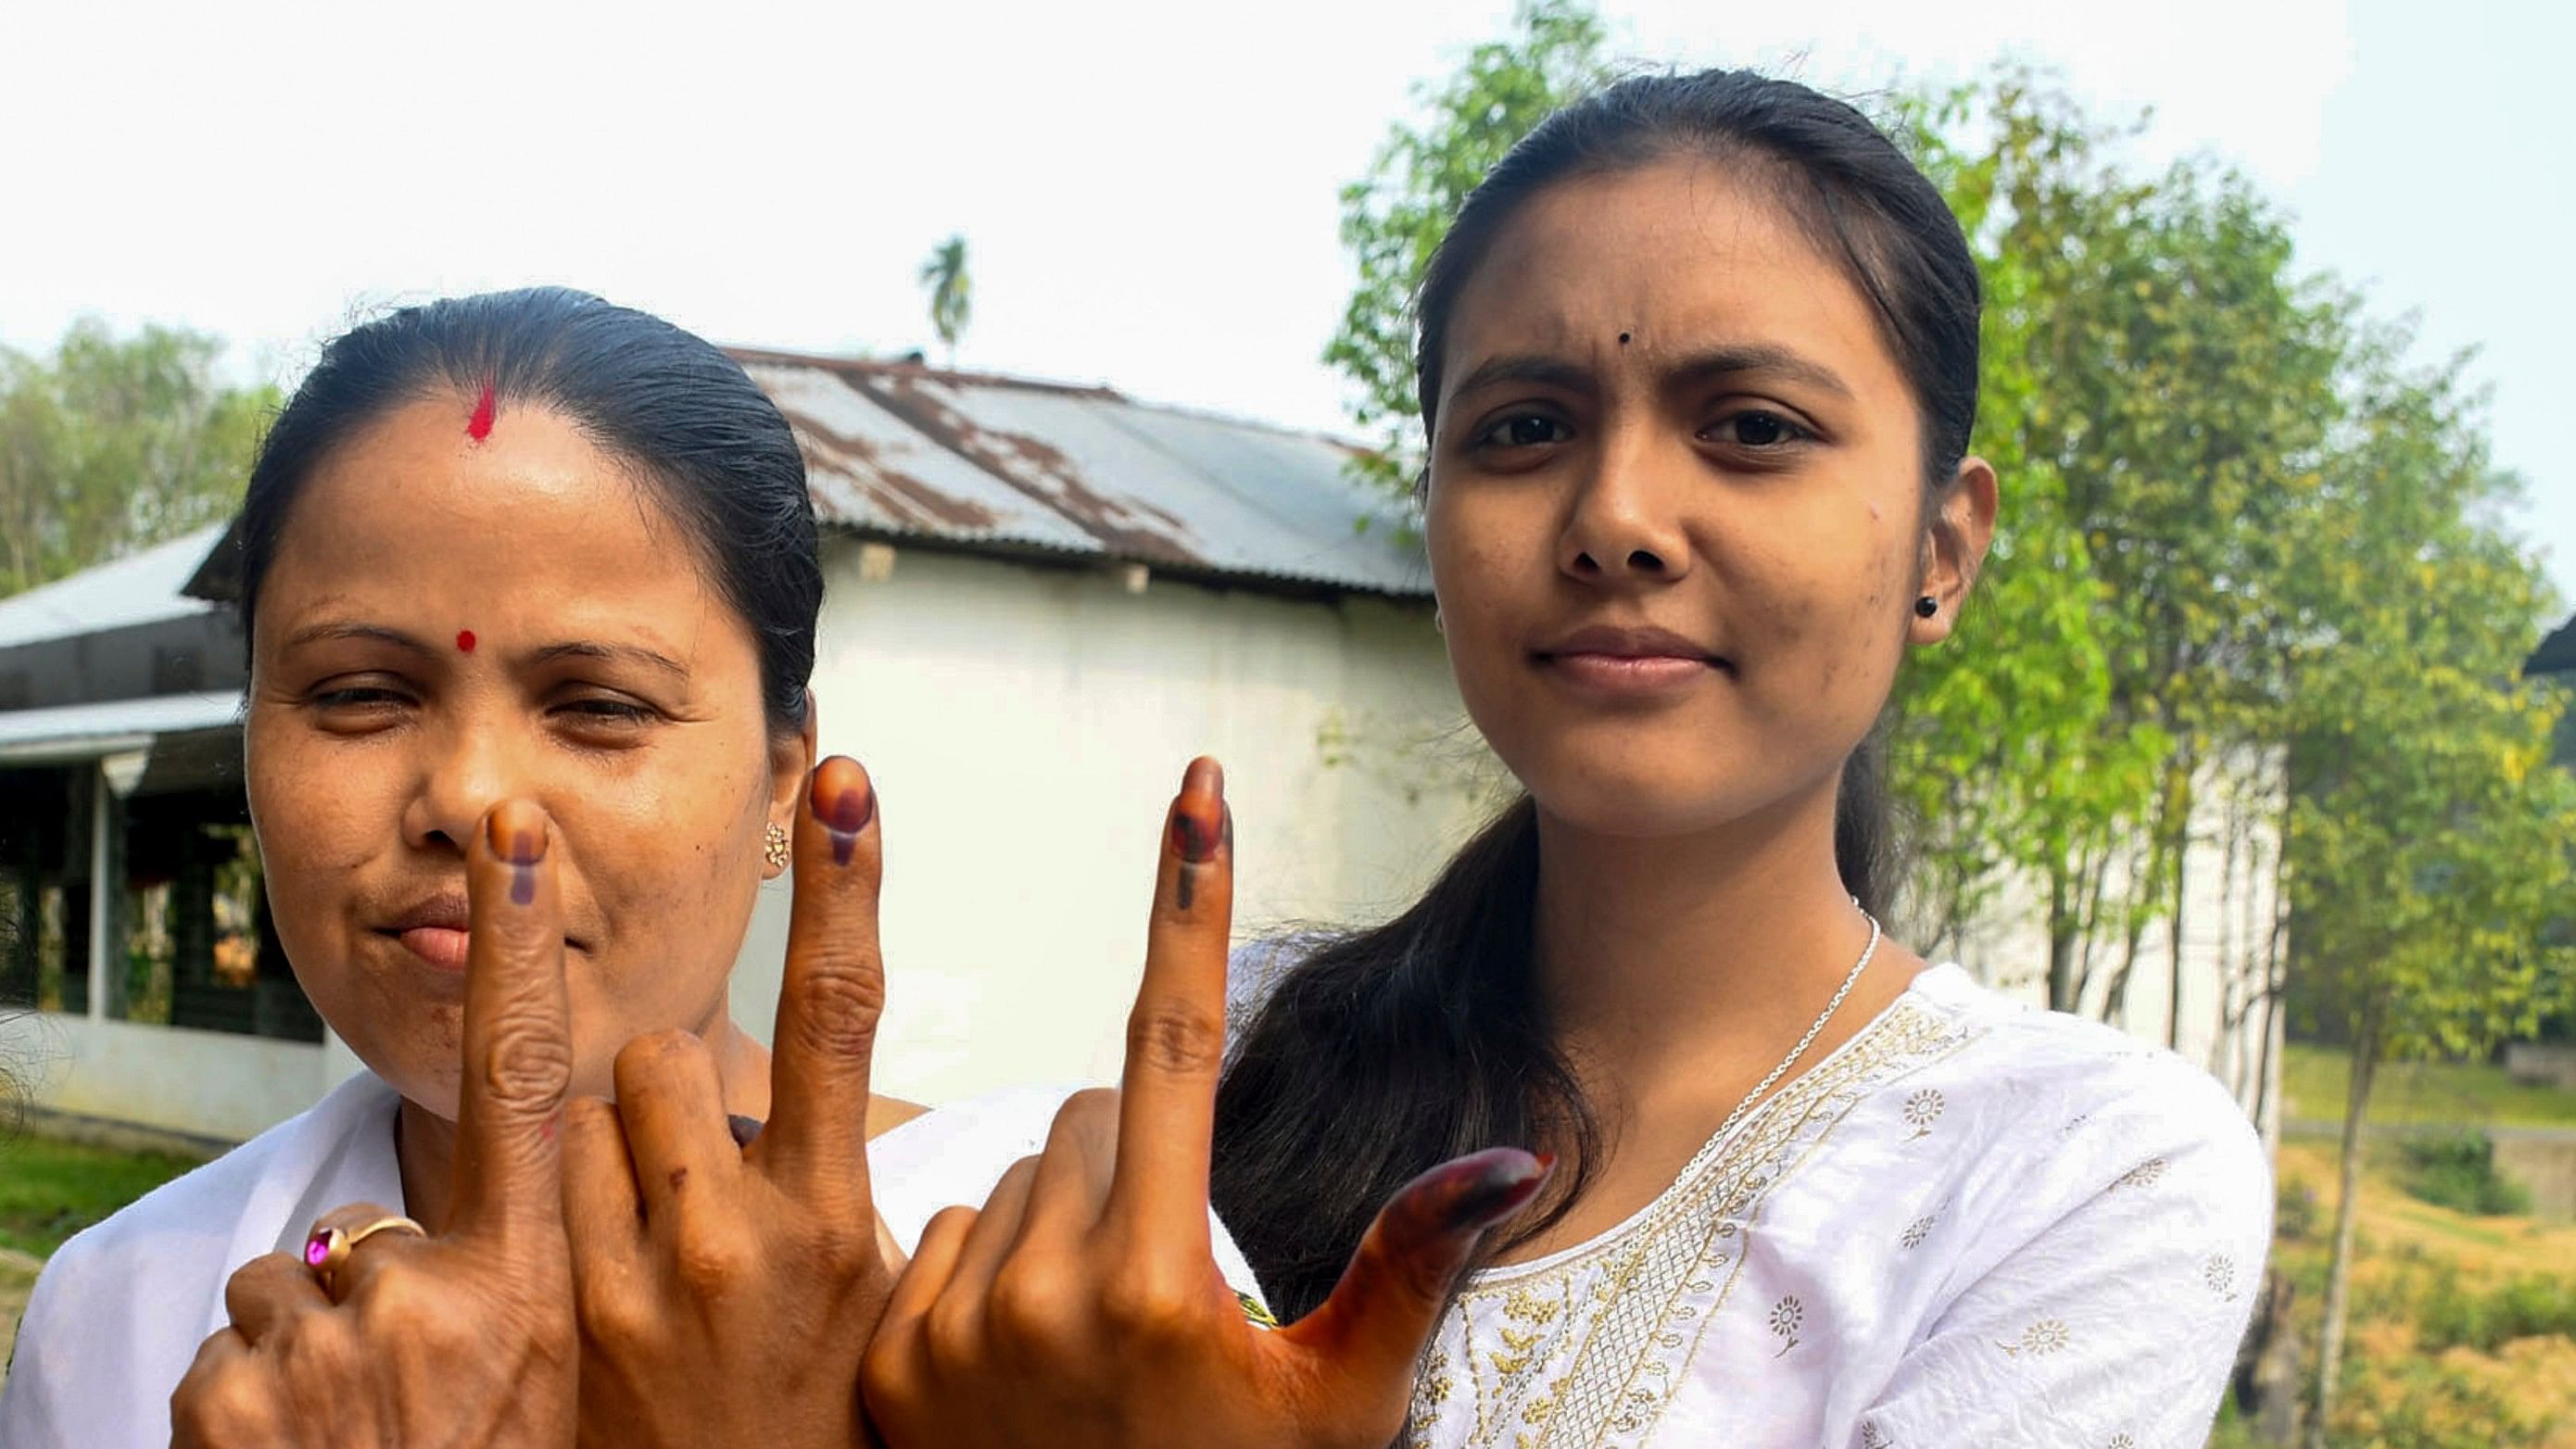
{"x":890,"y":1378}
{"x":1029,"y":1303}
{"x":221,"y":1404}
{"x":398,"y":1299}
{"x":710,"y":1263}
{"x":656,"y":1049}
{"x":528,"y":1061}
{"x":1176,"y":1038}
{"x":1143,"y":1303}
{"x":952,"y":1334}
{"x":843,"y":993}
{"x":608,"y":1312}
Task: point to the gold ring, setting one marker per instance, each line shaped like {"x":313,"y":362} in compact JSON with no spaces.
{"x":327,"y":1250}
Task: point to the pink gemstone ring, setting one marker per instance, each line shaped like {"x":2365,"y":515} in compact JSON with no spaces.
{"x":327,"y":1250}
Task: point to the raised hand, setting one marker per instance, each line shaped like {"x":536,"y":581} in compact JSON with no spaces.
{"x":726,"y":1292}
{"x":465,"y":1338}
{"x":1083,"y":1305}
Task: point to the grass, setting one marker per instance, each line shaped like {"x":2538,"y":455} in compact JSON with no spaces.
{"x":2313,"y":1079}
{"x":2463,"y":1327}
{"x":50,"y":1190}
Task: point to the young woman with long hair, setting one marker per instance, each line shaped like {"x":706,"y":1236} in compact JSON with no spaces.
{"x":1698,"y":378}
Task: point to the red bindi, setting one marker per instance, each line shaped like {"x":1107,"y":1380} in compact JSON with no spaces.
{"x":464,"y":641}
{"x":479,"y":426}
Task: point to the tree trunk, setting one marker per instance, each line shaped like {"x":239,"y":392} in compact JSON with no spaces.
{"x":2088,"y":919}
{"x":2365,"y":1061}
{"x":2180,"y":823}
{"x":2061,"y":939}
{"x":2275,"y":946}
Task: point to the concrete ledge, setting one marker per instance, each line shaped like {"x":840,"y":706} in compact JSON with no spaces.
{"x":62,"y":1126}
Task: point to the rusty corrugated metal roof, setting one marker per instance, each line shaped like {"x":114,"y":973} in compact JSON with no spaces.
{"x":979,"y":461}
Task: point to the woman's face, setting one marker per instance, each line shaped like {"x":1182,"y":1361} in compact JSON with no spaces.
{"x":1676,"y":514}
{"x":448,"y":622}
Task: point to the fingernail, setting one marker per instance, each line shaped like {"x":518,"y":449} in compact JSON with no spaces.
{"x":845,"y":800}
{"x":516,"y":831}
{"x":1197,"y":816}
{"x":746,"y":1130}
{"x":1478,"y":1191}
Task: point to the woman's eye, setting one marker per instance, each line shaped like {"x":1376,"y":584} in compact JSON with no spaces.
{"x":1757,"y":429}
{"x":605,"y":711}
{"x":1523,"y":430}
{"x":355,"y":697}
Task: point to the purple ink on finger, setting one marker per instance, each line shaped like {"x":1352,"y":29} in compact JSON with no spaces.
{"x":844,"y":800}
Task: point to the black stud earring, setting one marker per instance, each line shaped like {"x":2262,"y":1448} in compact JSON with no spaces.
{"x":1926,"y":606}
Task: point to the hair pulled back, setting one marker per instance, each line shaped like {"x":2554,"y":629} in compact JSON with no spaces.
{"x":1385,"y":1052}
{"x":686,"y":417}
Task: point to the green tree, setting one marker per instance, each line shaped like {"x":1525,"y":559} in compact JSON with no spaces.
{"x":2005,"y":745}
{"x":952,"y":298}
{"x":2432,"y":842}
{"x":1393,"y":217}
{"x":112,"y":444}
{"x":2159,"y":387}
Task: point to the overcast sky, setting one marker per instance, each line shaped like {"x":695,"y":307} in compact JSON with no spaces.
{"x":1148,"y":188}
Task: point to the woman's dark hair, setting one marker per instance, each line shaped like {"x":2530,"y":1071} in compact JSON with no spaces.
{"x":667,"y":402}
{"x":1390,"y":1050}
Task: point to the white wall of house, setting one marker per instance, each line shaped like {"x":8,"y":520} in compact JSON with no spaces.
{"x":1027,"y":725}
{"x":198,"y":1083}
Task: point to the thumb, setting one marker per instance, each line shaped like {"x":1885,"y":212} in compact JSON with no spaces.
{"x":1389,"y":1299}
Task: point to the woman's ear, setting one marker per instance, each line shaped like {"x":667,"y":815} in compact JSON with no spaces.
{"x":1961,"y":526}
{"x":791,"y":761}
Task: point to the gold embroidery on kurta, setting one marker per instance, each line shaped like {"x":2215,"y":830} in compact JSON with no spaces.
{"x":1588,"y":1349}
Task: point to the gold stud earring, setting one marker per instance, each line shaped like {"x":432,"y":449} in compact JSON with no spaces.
{"x":774,"y":846}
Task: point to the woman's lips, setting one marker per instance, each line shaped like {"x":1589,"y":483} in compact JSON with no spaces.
{"x":1629,"y":674}
{"x":440,"y":946}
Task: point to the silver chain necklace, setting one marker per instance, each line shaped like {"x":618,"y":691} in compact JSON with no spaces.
{"x":1709,"y":1148}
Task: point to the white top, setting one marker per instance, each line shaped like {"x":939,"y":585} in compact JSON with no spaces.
{"x":120,"y":1311}
{"x":1976,"y":1222}
{"x":1973,"y":1223}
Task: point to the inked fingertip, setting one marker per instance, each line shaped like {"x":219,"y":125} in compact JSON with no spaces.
{"x":844,"y":800}
{"x":1486,"y":1187}
{"x":516,"y":831}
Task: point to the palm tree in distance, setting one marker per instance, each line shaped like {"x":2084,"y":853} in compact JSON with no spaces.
{"x":952,"y":300}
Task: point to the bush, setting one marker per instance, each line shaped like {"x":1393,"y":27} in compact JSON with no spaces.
{"x":2457,"y":1171}
{"x":2447,"y":1315}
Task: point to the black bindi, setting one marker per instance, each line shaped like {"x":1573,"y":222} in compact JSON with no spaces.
{"x":1623,"y":339}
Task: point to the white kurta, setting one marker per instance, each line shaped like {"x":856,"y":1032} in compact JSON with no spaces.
{"x":1975,"y":1223}
{"x":120,"y":1311}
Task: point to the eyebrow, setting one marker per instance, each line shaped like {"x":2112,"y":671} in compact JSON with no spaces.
{"x":335,"y":629}
{"x":1762,"y":359}
{"x":611,"y":653}
{"x":1733,"y":361}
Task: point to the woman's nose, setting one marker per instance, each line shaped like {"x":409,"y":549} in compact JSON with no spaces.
{"x":464,"y":769}
{"x":1624,"y":526}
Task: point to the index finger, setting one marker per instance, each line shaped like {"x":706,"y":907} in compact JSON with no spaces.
{"x":1176,"y":1034}
{"x":833,"y":990}
{"x":518,"y":1031}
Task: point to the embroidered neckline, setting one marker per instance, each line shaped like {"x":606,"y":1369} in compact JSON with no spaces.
{"x":1587,"y":1345}
{"x":1707,"y":1157}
